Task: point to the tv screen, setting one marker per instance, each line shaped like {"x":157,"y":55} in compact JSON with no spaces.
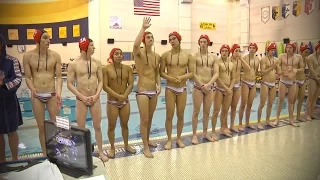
{"x":70,"y":148}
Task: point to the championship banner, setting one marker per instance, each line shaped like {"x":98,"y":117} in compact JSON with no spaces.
{"x":275,"y":12}
{"x":285,"y":10}
{"x":309,"y":6}
{"x":265,"y":14}
{"x":296,"y":8}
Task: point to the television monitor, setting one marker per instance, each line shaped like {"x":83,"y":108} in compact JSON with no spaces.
{"x":70,"y":150}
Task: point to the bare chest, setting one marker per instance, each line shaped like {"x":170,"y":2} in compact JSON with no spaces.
{"x":289,"y":61}
{"x":85,"y":67}
{"x":177,"y":60}
{"x":115,"y":74}
{"x":204,"y":61}
{"x":43,"y":63}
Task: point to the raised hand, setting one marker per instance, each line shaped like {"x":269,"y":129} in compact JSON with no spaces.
{"x":146,"y":22}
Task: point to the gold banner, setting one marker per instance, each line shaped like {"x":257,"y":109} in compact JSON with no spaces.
{"x":30,"y":33}
{"x":13,"y":34}
{"x":62,"y":32}
{"x":76,"y":30}
{"x":208,"y":25}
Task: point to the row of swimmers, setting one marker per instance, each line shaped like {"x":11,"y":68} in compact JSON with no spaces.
{"x":214,"y":77}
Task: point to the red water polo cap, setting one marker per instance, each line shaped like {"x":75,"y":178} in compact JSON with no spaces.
{"x":204,"y":36}
{"x":174,"y":33}
{"x":112,"y":52}
{"x":253,"y":44}
{"x":234,"y":47}
{"x":38,"y":34}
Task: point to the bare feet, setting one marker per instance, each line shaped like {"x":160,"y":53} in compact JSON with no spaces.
{"x":168,"y":145}
{"x":276,"y":123}
{"x":147,"y":153}
{"x":300,"y":119}
{"x":208,"y":137}
{"x":308,"y":118}
{"x":241,"y":129}
{"x":226,"y":133}
{"x":260,"y":126}
{"x":232,"y":128}
{"x":250,"y":126}
{"x":103,"y":157}
{"x":14,"y":158}
{"x":268,"y":123}
{"x":291,"y":122}
{"x":152,"y":144}
{"x":214,"y":137}
{"x":195,"y":139}
{"x":111,"y":153}
{"x":180,"y":143}
{"x":130,"y":149}
{"x":314,"y":117}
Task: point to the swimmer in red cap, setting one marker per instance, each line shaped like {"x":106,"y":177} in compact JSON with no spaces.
{"x":313,"y":61}
{"x":148,"y":87}
{"x":206,"y":74}
{"x":177,"y":66}
{"x":290,"y":64}
{"x":301,"y":82}
{"x":248,"y":85}
{"x":223,"y":96}
{"x":239,"y":64}
{"x":118,"y":83}
{"x":41,"y":67}
{"x":86,"y":73}
{"x":269,"y":68}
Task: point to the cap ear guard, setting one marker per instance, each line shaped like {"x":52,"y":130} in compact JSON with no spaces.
{"x":38,"y":34}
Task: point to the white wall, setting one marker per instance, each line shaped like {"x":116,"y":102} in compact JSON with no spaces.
{"x":225,"y":14}
{"x":303,"y":28}
{"x":131,"y":24}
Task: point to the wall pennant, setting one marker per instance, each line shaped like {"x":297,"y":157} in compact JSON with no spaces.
{"x":296,"y":10}
{"x":285,"y":10}
{"x":275,"y":12}
{"x":265,"y":14}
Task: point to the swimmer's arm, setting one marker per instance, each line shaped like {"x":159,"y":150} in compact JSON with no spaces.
{"x":130,"y":82}
{"x":233,"y":78}
{"x":70,"y":80}
{"x":221,"y":84}
{"x":100,"y":78}
{"x":245,"y":65}
{"x":106,"y":87}
{"x":191,"y":67}
{"x":195,"y":76}
{"x":158,"y":73}
{"x":301,"y":65}
{"x":216,"y":73}
{"x":163,"y":74}
{"x":27,"y":72}
{"x":137,"y":42}
{"x":309,"y":61}
{"x":58,"y":74}
{"x":13,"y":83}
{"x":263,"y":69}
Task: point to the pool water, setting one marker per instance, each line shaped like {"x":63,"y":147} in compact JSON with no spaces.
{"x":28,"y":132}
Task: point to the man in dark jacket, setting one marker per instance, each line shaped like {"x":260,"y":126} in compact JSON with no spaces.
{"x":10,"y":112}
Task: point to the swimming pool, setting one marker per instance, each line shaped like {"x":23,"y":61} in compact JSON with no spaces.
{"x":28,"y":132}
